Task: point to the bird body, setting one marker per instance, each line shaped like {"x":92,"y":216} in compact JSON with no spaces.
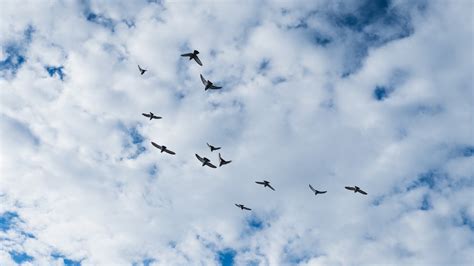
{"x":142,"y":71}
{"x":151,"y":116}
{"x":356,"y":189}
{"x":193,"y":55}
{"x":222,"y":161}
{"x":205,"y":161}
{"x":163,"y":148}
{"x":242,"y":207}
{"x":316,"y":192}
{"x":213,"y":148}
{"x":265,"y":183}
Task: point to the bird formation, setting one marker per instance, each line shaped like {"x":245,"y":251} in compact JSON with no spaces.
{"x":206,"y":161}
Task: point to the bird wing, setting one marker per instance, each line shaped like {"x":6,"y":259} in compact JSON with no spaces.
{"x":199,"y":158}
{"x":157,"y":117}
{"x":147,"y":115}
{"x":350,"y":188}
{"x":156,"y":145}
{"x":245,"y":208}
{"x":188,"y":54}
{"x":197,"y":60}
{"x":139,"y":68}
{"x":238,"y":205}
{"x":215,"y":87}
{"x":204,"y":81}
{"x":312,"y":188}
{"x":210,"y":165}
{"x":170,"y":152}
{"x":261,"y":183}
{"x":322,"y":192}
{"x":270,"y":186}
{"x":363,"y":192}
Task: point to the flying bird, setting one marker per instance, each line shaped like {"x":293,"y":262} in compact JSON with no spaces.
{"x":356,"y":189}
{"x":142,"y":71}
{"x":162,"y":148}
{"x":208,"y":84}
{"x":212,"y":147}
{"x":265,"y":183}
{"x":316,"y":192}
{"x":222,"y":161}
{"x":205,"y":161}
{"x":151,"y":116}
{"x":193,"y":55}
{"x":242,"y":207}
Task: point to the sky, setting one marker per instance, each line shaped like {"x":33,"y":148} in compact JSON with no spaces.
{"x":375,"y":94}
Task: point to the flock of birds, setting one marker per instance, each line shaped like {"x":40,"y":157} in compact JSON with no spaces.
{"x":205,"y":161}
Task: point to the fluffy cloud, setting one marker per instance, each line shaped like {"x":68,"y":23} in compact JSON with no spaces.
{"x":376,"y":94}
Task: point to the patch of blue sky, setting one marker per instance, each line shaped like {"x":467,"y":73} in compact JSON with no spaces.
{"x":133,"y":141}
{"x":466,"y":220}
{"x":67,"y":261}
{"x":8,"y":220}
{"x":381,"y":93}
{"x":20,"y":257}
{"x":426,"y":203}
{"x":254,"y":223}
{"x":96,"y":18}
{"x":55,"y":70}
{"x":226,"y":256}
{"x":264,"y":65}
{"x":14,"y":58}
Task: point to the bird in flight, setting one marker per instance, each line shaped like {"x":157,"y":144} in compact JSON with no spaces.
{"x":265,"y":183}
{"x":151,"y":116}
{"x":222,"y":161}
{"x":193,"y":55}
{"x":316,"y":192}
{"x":205,"y":161}
{"x":163,"y":148}
{"x":212,"y":147}
{"x":356,"y":189}
{"x":208,"y":84}
{"x":242,"y":207}
{"x":142,"y":71}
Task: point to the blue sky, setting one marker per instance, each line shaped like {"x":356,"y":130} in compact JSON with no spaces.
{"x":376,"y":94}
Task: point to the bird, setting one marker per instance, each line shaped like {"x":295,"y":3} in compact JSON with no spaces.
{"x":222,"y":161}
{"x":356,"y":189}
{"x":208,"y":84}
{"x":151,"y":116}
{"x":213,"y":148}
{"x":205,"y":161}
{"x":142,"y":71}
{"x":193,"y":55}
{"x":163,"y":148}
{"x":242,"y":207}
{"x":265,"y":183}
{"x":316,"y":192}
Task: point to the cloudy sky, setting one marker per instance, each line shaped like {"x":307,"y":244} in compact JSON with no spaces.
{"x":377,"y":94}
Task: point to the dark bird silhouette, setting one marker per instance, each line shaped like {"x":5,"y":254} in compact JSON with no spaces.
{"x":205,"y":161}
{"x":212,"y":147}
{"x":162,"y":148}
{"x":208,"y":84}
{"x":356,"y":189}
{"x":316,"y":192}
{"x":151,"y":116}
{"x":142,"y":71}
{"x":222,"y":161}
{"x":193,"y":55}
{"x":242,"y":207}
{"x":265,"y":183}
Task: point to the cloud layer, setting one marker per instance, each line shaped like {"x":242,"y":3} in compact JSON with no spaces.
{"x":330,"y":93}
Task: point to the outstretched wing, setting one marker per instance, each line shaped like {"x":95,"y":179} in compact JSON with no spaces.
{"x":170,"y":152}
{"x":188,"y":54}
{"x":312,"y":188}
{"x":199,"y":158}
{"x":350,"y":188}
{"x":322,"y":192}
{"x":363,"y":192}
{"x":156,"y":145}
{"x":245,"y":208}
{"x":204,"y":81}
{"x":146,"y":115}
{"x":270,"y":186}
{"x":197,"y":60}
{"x":238,"y":205}
{"x":215,"y":87}
{"x":261,"y":183}
{"x":210,"y":165}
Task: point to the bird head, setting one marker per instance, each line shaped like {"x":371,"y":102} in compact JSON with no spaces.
{"x":196,"y":52}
